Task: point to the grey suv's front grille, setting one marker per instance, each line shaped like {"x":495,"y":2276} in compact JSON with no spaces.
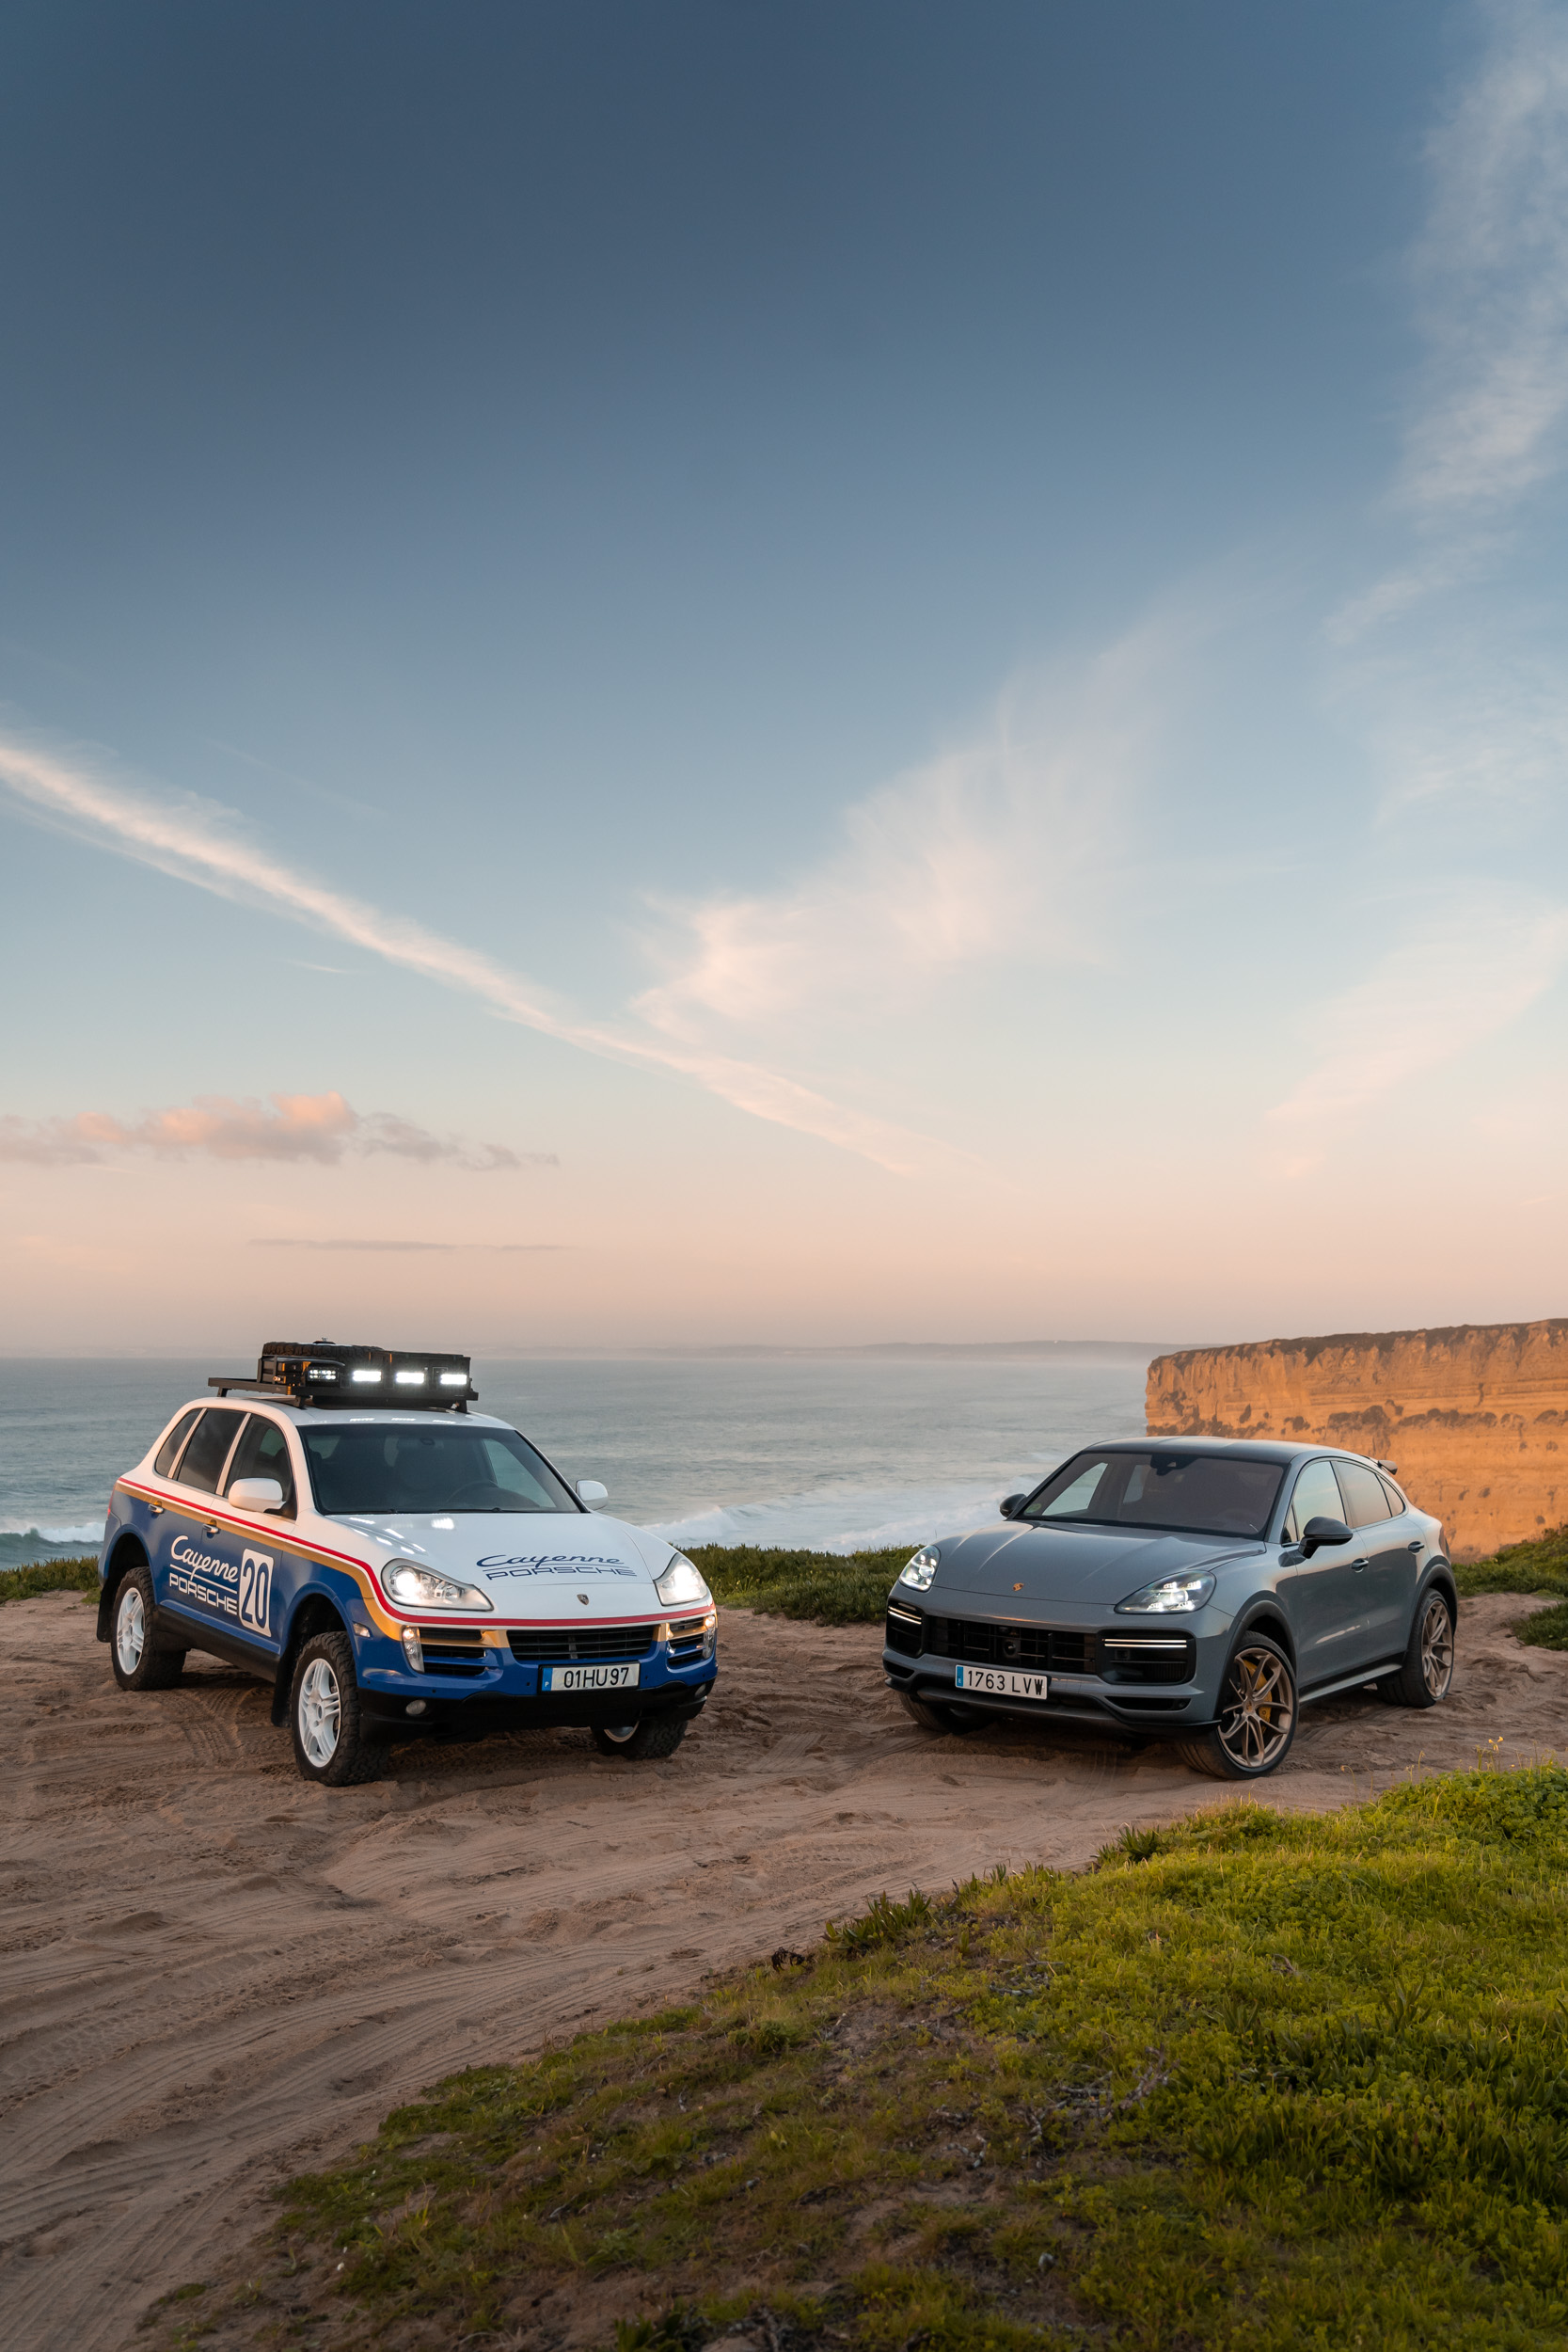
{"x":1057,"y":1650}
{"x":572,"y":1645}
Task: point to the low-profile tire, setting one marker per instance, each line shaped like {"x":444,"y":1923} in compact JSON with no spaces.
{"x":656,"y":1735}
{"x":931,"y":1715}
{"x":332,"y":1737}
{"x":1256,"y":1719}
{"x":138,"y":1664}
{"x":1426,"y":1677}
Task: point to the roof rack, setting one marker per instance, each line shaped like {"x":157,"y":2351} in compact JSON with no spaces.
{"x":334,"y":1372}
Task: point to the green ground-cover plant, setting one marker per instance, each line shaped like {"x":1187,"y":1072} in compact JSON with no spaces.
{"x":51,"y":1576}
{"x":1254,"y":2079}
{"x":831,"y":1588}
{"x":1540,"y":1566}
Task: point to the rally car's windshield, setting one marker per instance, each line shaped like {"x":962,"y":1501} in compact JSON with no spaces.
{"x":1199,"y":1494}
{"x":369,"y":1471}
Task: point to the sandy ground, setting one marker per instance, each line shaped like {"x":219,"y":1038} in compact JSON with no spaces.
{"x":214,"y":1974}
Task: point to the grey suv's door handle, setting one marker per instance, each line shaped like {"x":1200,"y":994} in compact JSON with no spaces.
{"x":1358,"y":1566}
{"x":1414,"y":1544}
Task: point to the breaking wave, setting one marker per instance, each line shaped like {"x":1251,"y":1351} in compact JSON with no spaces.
{"x":872,"y":1520}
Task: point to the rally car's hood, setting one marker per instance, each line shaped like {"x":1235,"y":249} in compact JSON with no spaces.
{"x":531,"y":1563}
{"x":1094,"y":1564}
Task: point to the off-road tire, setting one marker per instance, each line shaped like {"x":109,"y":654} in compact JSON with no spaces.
{"x":334,"y":1745}
{"x":1256,"y":1719}
{"x":139,"y":1665}
{"x":931,"y":1715}
{"x":1426,"y":1677}
{"x":655,"y":1736}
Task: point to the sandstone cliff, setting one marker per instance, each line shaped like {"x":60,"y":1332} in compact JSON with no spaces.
{"x":1475,"y":1416}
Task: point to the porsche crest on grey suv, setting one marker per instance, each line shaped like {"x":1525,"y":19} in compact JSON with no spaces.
{"x":1191,"y":1589}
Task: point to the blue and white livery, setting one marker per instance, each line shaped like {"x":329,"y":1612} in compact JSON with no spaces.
{"x":393,"y":1563}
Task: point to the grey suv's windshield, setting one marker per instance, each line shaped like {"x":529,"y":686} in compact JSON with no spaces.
{"x":367,"y":1470}
{"x":1198,"y":1494}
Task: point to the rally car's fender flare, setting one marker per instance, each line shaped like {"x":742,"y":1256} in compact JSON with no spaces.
{"x":129,"y":1552}
{"x":315,"y":1613}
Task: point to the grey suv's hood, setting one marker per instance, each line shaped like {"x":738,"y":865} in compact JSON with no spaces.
{"x":1095,"y":1565}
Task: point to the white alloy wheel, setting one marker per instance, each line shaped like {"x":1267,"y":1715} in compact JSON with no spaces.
{"x":320,"y":1706}
{"x":130,"y":1629}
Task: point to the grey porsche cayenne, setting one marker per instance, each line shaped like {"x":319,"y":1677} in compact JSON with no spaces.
{"x":1189,"y":1589}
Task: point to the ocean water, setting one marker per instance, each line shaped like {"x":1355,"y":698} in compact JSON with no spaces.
{"x":832,"y":1452}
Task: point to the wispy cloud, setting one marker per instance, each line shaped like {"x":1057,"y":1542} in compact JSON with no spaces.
{"x":498,"y":1249}
{"x":317,"y":1127}
{"x":1000,"y":849}
{"x":1492,"y":268}
{"x":1480,"y":960}
{"x":197,"y":842}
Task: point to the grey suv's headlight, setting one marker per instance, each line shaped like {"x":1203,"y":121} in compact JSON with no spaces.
{"x":682,"y":1585}
{"x":1171,"y":1595}
{"x":421,"y":1588}
{"x":922,"y":1568}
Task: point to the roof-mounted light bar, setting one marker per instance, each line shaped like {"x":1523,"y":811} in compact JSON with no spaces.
{"x":332,"y":1373}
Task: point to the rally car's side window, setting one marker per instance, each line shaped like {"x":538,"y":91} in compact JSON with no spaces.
{"x":263,"y":1453}
{"x":168,"y":1453}
{"x":202,"y":1464}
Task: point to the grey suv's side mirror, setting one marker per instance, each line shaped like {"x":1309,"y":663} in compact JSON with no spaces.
{"x":1318,"y":1532}
{"x":1012,"y":1504}
{"x":590,"y":1491}
{"x":255,"y":1494}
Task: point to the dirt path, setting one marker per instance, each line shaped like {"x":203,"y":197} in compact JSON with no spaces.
{"x":213,"y":1975}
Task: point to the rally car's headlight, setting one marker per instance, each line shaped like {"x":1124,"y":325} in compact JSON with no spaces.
{"x":922,"y":1568}
{"x":421,"y":1588}
{"x":682,"y":1583}
{"x":1171,"y":1595}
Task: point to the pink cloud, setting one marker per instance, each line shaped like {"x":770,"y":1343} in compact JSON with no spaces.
{"x":319,"y":1127}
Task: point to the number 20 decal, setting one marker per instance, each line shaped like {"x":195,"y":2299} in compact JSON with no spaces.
{"x":255,"y":1589}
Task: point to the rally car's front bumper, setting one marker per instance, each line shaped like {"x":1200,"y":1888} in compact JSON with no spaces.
{"x":482,"y":1686}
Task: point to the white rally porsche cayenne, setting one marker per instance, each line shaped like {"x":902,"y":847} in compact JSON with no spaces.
{"x":393,"y":1563}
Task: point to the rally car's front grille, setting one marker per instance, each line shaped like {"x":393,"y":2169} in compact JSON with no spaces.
{"x":570,"y":1645}
{"x":453,"y":1650}
{"x":688,"y":1640}
{"x":1119,"y":1658}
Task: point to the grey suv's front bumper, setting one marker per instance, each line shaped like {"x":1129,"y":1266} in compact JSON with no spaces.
{"x":1141,"y":1677}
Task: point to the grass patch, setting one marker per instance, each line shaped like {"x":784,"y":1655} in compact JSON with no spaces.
{"x":1300,"y":2082}
{"x":52,"y":1576}
{"x":1538,"y":1566}
{"x":827,"y":1587}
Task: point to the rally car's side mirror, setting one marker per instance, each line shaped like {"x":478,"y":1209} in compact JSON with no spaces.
{"x":1013,"y":1503}
{"x":255,"y":1494}
{"x":590,"y":1491}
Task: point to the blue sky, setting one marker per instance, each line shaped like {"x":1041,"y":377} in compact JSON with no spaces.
{"x":782,"y":672}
